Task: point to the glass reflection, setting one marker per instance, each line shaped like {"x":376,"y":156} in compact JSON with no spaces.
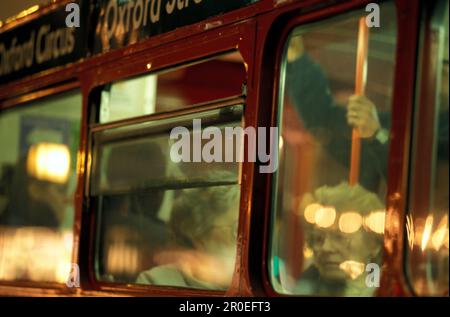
{"x":341,"y":246}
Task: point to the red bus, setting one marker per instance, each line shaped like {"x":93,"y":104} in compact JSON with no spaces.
{"x":225,"y":148}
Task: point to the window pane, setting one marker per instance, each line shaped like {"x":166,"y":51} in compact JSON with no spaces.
{"x":39,"y":143}
{"x":161,"y":222}
{"x":427,"y":224}
{"x":327,"y":231}
{"x":173,"y":89}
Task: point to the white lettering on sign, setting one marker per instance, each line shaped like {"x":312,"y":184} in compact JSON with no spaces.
{"x":132,"y":15}
{"x":53,"y":44}
{"x":171,"y":5}
{"x":18,"y":56}
{"x":44,"y":45}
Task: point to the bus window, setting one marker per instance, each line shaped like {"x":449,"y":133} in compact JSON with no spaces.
{"x":427,"y":230}
{"x":159,"y":221}
{"x":173,"y":89}
{"x":39,"y":144}
{"x":328,"y":228}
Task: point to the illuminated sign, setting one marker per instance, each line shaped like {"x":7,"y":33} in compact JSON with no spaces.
{"x":124,"y":22}
{"x":42,"y":43}
{"x":47,"y":41}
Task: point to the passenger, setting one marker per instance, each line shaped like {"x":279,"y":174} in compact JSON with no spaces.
{"x":345,"y":234}
{"x":309,"y":91}
{"x":131,"y":229}
{"x":129,"y":246}
{"x":204,"y":222}
{"x":133,"y":168}
{"x":34,"y":202}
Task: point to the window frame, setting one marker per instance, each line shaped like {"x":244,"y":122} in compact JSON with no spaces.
{"x":239,"y":37}
{"x":392,"y":275}
{"x":424,"y":120}
{"x":21,"y":102}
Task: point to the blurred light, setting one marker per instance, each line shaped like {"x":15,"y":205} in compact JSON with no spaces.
{"x":35,"y":254}
{"x":350,"y":222}
{"x":122,"y":258}
{"x":352,"y":268}
{"x":280,"y":146}
{"x":410,"y":231}
{"x":427,"y":232}
{"x":22,"y":14}
{"x":438,"y":237}
{"x":446,"y":240}
{"x":419,"y":225}
{"x":50,"y":162}
{"x":310,"y":212}
{"x":375,"y":221}
{"x":325,"y":217}
{"x":307,"y":252}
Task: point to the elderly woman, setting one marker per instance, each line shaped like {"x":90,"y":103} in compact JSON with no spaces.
{"x":204,"y":222}
{"x":344,"y":228}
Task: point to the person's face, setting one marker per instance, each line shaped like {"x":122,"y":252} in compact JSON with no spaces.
{"x":333,"y":249}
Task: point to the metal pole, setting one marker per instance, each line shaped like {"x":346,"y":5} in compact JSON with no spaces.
{"x":360,"y":85}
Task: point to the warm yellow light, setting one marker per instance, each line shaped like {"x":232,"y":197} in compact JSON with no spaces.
{"x":438,"y":237}
{"x":350,"y":222}
{"x":63,"y":270}
{"x":375,"y":221}
{"x":410,"y":231}
{"x":426,"y":232}
{"x":310,"y":212}
{"x":28,"y":11}
{"x":446,"y":240}
{"x":307,"y":252}
{"x":352,"y":268}
{"x":35,"y":254}
{"x":122,"y":258}
{"x":325,"y":217}
{"x":50,"y":162}
{"x":419,"y":225}
{"x":23,"y":13}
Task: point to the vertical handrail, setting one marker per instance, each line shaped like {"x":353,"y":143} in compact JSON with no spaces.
{"x":360,"y":86}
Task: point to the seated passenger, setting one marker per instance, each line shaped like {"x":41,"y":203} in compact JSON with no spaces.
{"x":204,"y":222}
{"x":129,"y":246}
{"x":34,"y":202}
{"x":344,"y":230}
{"x":131,"y":229}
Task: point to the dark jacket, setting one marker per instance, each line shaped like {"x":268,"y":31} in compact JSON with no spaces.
{"x":308,"y":90}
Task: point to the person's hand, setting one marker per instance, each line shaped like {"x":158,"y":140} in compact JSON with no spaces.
{"x":295,"y":49}
{"x":362,"y":114}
